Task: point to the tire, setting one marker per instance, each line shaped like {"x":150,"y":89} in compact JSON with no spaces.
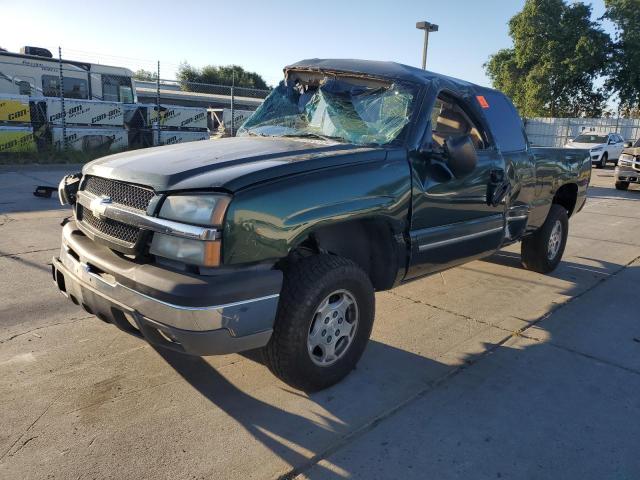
{"x":603,"y":160}
{"x":308,"y":282}
{"x":622,"y":185}
{"x":538,"y":252}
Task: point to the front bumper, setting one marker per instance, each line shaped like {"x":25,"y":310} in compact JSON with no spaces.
{"x":627,"y":174}
{"x":194,"y":314}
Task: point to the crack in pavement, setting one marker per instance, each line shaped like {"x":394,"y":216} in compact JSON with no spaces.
{"x":73,"y":320}
{"x":371,"y":424}
{"x":3,"y":255}
{"x":28,"y":429}
{"x":451,"y":312}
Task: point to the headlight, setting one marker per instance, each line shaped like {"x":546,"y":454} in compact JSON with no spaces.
{"x":68,"y":188}
{"x":206,"y":210}
{"x":597,"y":149}
{"x":193,"y":252}
{"x":626,"y":156}
{"x":196,"y":209}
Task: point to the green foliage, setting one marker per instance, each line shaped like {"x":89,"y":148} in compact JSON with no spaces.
{"x":143,"y":74}
{"x":219,"y":75}
{"x":625,"y":65}
{"x":557,"y":55}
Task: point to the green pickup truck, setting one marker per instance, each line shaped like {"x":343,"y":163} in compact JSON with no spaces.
{"x":352,"y":177}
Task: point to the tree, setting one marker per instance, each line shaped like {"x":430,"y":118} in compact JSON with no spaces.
{"x":557,"y":55}
{"x":625,"y":63}
{"x":219,"y":75}
{"x":142,"y":74}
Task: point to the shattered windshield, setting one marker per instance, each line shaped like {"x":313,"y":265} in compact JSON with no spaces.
{"x":336,"y":109}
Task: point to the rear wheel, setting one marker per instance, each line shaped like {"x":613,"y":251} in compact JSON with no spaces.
{"x":543,"y":250}
{"x":323,"y":324}
{"x":622,"y":185}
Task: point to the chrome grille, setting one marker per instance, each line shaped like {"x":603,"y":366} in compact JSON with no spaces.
{"x":132,"y":196}
{"x":120,"y":193}
{"x":112,"y":228}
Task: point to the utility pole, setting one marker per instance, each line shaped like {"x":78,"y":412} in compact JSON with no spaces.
{"x":428,"y":28}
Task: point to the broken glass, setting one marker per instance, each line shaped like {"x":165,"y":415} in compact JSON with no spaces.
{"x":336,"y":109}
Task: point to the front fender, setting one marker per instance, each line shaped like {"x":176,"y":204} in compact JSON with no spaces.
{"x":265,"y":222}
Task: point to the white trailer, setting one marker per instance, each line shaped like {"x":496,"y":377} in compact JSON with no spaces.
{"x":85,"y":112}
{"x":91,"y":139}
{"x":170,"y":137}
{"x":171,"y":116}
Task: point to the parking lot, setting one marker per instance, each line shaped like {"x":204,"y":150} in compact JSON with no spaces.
{"x":484,"y":371}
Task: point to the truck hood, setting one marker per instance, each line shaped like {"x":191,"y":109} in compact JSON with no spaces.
{"x":635,"y":151}
{"x":229,"y":163}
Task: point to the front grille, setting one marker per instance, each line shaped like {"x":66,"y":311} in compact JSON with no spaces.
{"x":112,"y":228}
{"x":131,"y":196}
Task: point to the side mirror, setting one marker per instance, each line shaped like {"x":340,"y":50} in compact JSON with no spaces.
{"x":462,"y":155}
{"x":612,"y":142}
{"x":628,"y":144}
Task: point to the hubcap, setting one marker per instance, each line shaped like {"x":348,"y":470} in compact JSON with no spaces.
{"x":333,"y":328}
{"x":555,"y":240}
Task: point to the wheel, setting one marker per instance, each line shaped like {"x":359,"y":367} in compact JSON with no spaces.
{"x":543,"y":250}
{"x":603,"y":160}
{"x":324,"y":320}
{"x":622,"y":185}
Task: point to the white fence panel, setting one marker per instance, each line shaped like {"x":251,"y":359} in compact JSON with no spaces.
{"x":555,"y":132}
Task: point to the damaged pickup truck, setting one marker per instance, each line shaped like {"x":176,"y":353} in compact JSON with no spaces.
{"x":352,"y":177}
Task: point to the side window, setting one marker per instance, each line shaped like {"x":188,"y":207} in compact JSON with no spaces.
{"x":117,"y":88}
{"x":448,"y":119}
{"x":506,"y":125}
{"x":50,"y":86}
{"x":73,"y":87}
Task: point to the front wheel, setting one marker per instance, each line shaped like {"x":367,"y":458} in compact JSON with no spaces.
{"x":323,"y":324}
{"x":622,"y":185}
{"x":543,"y":250}
{"x":603,"y":161}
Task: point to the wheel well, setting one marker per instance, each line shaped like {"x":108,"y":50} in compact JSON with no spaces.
{"x":368,"y":243}
{"x":567,"y":196}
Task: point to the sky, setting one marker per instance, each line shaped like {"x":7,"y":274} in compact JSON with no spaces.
{"x":264,"y":36}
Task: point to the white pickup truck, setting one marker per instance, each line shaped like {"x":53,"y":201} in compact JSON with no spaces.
{"x":603,"y":147}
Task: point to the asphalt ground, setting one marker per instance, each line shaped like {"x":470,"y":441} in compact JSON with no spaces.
{"x":484,"y":371}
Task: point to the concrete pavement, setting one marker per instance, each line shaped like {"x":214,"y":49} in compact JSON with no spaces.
{"x":484,"y":371}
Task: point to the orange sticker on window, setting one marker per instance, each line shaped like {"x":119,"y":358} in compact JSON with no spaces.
{"x":482,"y":101}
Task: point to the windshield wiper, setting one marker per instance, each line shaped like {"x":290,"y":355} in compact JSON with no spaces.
{"x":317,"y":135}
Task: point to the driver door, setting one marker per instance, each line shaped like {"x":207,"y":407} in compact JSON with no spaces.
{"x":452,"y":220}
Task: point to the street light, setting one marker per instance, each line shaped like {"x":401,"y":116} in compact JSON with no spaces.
{"x":427,"y":27}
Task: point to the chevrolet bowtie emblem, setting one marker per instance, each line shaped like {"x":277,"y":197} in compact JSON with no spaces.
{"x":99,"y":205}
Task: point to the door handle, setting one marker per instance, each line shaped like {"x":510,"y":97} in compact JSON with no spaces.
{"x":498,"y":187}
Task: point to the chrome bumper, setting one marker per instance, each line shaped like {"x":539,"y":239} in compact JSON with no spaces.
{"x":199,"y":330}
{"x":627,"y":174}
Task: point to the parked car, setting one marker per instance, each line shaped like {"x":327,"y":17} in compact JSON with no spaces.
{"x":352,"y":177}
{"x":603,"y":148}
{"x":628,"y":169}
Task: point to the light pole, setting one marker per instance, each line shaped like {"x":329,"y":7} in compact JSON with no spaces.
{"x":427,"y":27}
